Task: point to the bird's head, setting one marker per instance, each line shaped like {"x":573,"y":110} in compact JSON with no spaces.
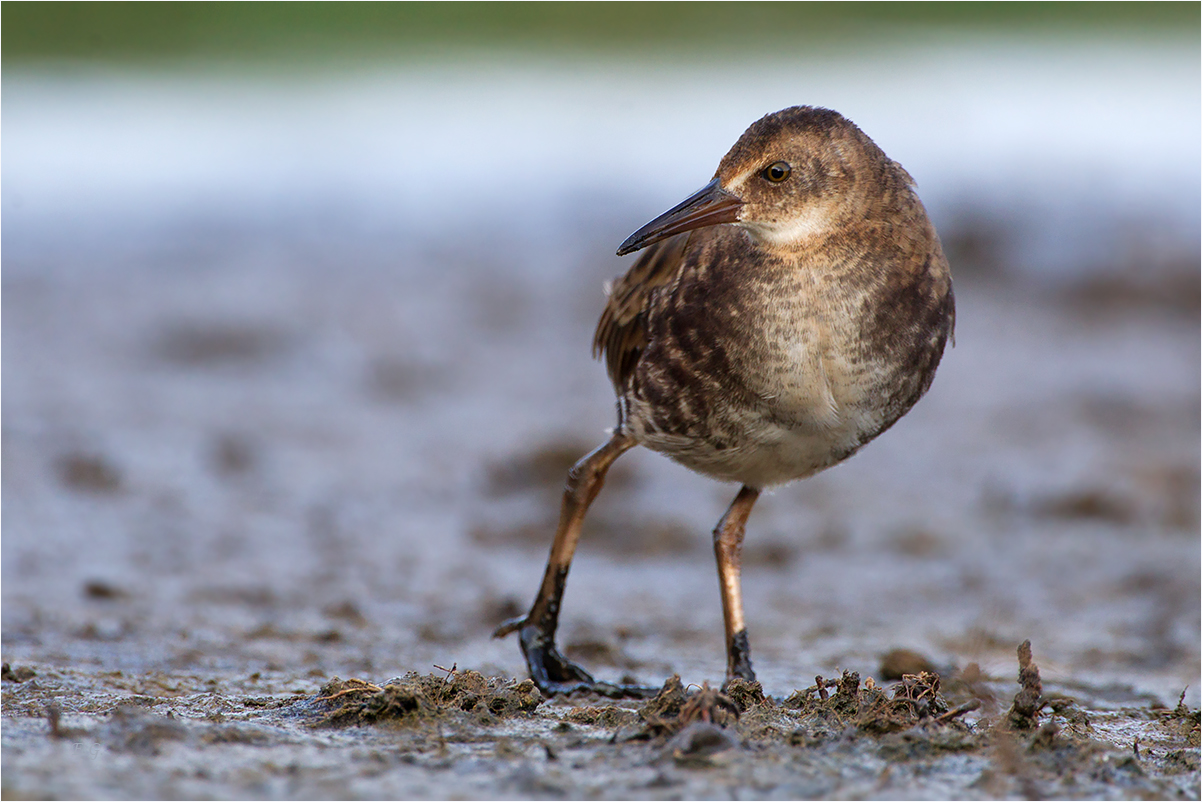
{"x":792,"y":177}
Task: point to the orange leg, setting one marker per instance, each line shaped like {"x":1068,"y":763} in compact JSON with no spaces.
{"x":550,"y":670}
{"x":728,"y":548}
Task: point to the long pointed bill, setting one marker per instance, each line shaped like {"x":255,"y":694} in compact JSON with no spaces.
{"x":708,"y":206}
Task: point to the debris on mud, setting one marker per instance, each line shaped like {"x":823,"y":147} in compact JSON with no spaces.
{"x":1029,"y":700}
{"x":915,"y":700}
{"x":807,"y":717}
{"x":426,"y":698}
{"x":710,"y":707}
{"x":502,"y":739}
{"x":669,"y":701}
{"x":674,"y":709}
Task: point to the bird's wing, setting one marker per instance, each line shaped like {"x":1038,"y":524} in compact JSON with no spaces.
{"x":622,"y":331}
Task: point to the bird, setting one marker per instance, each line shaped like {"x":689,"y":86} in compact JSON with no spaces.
{"x":777,"y":320}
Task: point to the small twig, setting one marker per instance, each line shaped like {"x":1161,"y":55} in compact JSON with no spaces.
{"x":967,"y":707}
{"x":362,"y":686}
{"x":820,"y":685}
{"x":446,"y":682}
{"x":364,"y":689}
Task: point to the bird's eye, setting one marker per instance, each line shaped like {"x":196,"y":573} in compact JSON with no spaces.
{"x":777,"y":172}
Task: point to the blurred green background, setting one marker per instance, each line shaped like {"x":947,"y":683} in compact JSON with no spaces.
{"x":119,"y":32}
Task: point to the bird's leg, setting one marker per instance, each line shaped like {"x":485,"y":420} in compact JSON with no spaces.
{"x":728,"y":548}
{"x":550,"y":670}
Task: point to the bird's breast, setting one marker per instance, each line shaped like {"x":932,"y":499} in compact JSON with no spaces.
{"x":805,"y":365}
{"x":760,"y":372}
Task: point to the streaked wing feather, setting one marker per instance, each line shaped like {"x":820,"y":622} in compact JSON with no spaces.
{"x":622,"y":331}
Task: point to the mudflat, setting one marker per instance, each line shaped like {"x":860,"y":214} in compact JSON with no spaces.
{"x":264,"y":505}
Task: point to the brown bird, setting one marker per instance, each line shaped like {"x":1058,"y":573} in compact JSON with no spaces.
{"x":782,"y":316}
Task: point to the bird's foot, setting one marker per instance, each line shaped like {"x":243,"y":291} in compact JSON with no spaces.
{"x":555,"y":674}
{"x":738,"y":658}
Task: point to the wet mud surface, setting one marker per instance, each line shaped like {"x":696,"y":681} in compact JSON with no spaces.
{"x":461,"y":733}
{"x":270,"y":484}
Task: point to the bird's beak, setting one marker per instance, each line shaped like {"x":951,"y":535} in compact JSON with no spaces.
{"x":708,"y":206}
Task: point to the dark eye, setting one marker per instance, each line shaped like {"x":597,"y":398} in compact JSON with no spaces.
{"x":777,"y":172}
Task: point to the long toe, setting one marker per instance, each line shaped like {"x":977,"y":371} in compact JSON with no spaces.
{"x":623,"y":691}
{"x":611,"y":690}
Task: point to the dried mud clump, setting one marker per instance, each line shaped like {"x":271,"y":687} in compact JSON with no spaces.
{"x":1024,"y":715}
{"x":1025,"y":745}
{"x":745,"y":694}
{"x":831,"y":709}
{"x":674,"y":709}
{"x":415,"y":698}
{"x":817,"y":699}
{"x":668,"y":702}
{"x":710,"y":707}
{"x":915,"y":700}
